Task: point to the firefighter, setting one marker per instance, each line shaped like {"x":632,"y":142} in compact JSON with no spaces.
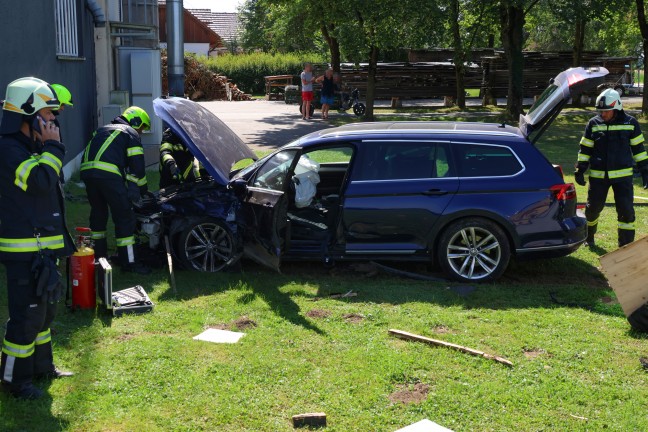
{"x":33,"y":234}
{"x":113,"y":171}
{"x":611,"y":145}
{"x":177,"y":164}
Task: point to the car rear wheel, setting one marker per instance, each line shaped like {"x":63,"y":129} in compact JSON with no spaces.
{"x":474,"y":250}
{"x":206,"y":245}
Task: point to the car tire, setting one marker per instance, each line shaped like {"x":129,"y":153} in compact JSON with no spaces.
{"x":474,"y":250}
{"x":359,"y":109}
{"x":206,"y":245}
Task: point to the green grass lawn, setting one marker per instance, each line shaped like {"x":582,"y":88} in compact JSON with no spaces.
{"x":576,"y":364}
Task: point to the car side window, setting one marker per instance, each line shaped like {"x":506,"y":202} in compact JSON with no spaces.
{"x":478,"y":160}
{"x":273,"y":173}
{"x":404,"y":160}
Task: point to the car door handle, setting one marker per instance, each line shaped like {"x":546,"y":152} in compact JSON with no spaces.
{"x":434,"y":192}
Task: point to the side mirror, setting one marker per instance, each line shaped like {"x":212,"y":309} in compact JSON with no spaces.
{"x":239,"y":186}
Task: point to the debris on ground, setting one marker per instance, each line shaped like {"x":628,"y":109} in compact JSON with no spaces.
{"x":532,"y":353}
{"x":309,"y":419}
{"x":338,"y":295}
{"x":240,"y":323}
{"x":414,"y":337}
{"x":644,"y":362}
{"x":203,"y":84}
{"x":410,"y":393}
{"x":578,"y":417}
{"x":219,"y":336}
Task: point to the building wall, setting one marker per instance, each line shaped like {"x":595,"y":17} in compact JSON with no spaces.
{"x":31,"y":51}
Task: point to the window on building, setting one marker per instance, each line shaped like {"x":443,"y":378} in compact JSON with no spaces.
{"x":67,"y":28}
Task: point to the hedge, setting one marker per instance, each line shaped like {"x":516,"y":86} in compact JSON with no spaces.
{"x":247,"y":70}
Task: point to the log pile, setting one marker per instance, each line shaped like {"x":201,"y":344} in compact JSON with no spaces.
{"x":203,"y":84}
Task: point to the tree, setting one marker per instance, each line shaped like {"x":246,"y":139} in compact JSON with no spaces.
{"x":643,"y":27}
{"x":512,"y":18}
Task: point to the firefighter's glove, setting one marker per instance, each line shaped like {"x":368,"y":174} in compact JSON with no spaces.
{"x":175,"y":171}
{"x":644,"y":176}
{"x":579,"y":174}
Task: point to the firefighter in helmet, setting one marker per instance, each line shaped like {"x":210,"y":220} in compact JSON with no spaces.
{"x":177,"y":164}
{"x":33,"y":234}
{"x":113,"y":171}
{"x":611,"y":145}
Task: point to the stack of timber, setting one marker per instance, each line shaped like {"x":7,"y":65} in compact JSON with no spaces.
{"x":203,"y":84}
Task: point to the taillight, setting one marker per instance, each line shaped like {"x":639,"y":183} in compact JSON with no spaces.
{"x":564,"y":192}
{"x":559,"y":170}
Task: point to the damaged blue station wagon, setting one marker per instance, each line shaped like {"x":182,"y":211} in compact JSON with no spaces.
{"x":468,"y":196}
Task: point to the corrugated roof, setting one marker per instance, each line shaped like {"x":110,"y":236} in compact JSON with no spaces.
{"x":225,"y":24}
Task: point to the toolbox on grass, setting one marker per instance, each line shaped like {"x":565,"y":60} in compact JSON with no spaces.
{"x":129,"y":300}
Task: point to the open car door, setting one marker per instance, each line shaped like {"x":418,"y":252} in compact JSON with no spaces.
{"x":566,"y":85}
{"x":265,"y":205}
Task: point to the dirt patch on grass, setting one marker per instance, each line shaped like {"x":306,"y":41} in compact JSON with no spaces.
{"x":410,"y":393}
{"x":318,"y":313}
{"x":353,"y":318}
{"x":441,"y":329}
{"x":532,"y":353}
{"x":243,"y":323}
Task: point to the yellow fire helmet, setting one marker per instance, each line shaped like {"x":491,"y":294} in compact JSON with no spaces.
{"x":137,"y":118}
{"x":63,"y":94}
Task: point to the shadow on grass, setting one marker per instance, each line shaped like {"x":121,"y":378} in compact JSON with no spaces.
{"x":265,"y":285}
{"x":19,"y":415}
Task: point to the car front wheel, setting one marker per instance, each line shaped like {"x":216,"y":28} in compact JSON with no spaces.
{"x":206,"y":245}
{"x":474,"y":250}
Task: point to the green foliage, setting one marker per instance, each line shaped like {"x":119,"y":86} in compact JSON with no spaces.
{"x":247,"y":70}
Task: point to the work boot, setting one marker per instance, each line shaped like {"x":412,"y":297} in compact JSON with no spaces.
{"x":138,"y":268}
{"x":54,"y":374}
{"x":625,"y":236}
{"x":26,"y":391}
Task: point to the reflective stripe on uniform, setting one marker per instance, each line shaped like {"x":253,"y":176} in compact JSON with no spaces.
{"x":134,"y":151}
{"x":125,"y":241}
{"x":187,"y":171}
{"x":98,"y":235}
{"x":43,"y":337}
{"x":637,"y":140}
{"x":167,"y":158}
{"x":597,"y":174}
{"x":31,"y":244}
{"x":592,"y":223}
{"x":136,"y":180}
{"x":104,"y":166}
{"x":15,"y":350}
{"x":583,"y":157}
{"x":25,"y":168}
{"x":620,"y":127}
{"x":105,"y":145}
{"x":627,"y":226}
{"x":640,"y":156}
{"x":620,"y":173}
{"x":587,"y":142}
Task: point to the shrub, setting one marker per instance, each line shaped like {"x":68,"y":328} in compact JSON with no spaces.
{"x":247,"y":70}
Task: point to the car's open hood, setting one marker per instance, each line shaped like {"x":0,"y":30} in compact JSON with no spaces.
{"x":214,"y":144}
{"x":567,"y":84}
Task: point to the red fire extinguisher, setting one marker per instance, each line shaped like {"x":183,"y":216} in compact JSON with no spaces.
{"x":82,"y":272}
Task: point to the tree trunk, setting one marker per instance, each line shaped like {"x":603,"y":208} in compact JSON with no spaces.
{"x":371,"y":84}
{"x":334,"y":48}
{"x":512,"y":27}
{"x":643,"y":26}
{"x":579,"y":42}
{"x":488,"y":98}
{"x":459,"y":56}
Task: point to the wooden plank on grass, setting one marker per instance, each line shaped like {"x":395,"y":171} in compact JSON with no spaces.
{"x":627,"y":274}
{"x":309,"y":419}
{"x":414,"y":337}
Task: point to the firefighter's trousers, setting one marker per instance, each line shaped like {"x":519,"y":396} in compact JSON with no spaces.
{"x":623,"y":200}
{"x":111,"y":195}
{"x":27,"y":346}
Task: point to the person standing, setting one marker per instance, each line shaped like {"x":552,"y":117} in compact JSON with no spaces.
{"x":33,"y":234}
{"x":328,"y":92}
{"x":177,"y":164}
{"x":307,"y":90}
{"x":113,"y":171}
{"x":612,"y":144}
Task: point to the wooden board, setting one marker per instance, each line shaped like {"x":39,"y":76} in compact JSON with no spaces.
{"x":627,"y":274}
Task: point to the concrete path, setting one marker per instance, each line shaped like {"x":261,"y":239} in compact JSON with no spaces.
{"x":266,"y":125}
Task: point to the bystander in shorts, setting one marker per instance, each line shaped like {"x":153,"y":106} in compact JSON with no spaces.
{"x":307,"y":96}
{"x":327,"y":100}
